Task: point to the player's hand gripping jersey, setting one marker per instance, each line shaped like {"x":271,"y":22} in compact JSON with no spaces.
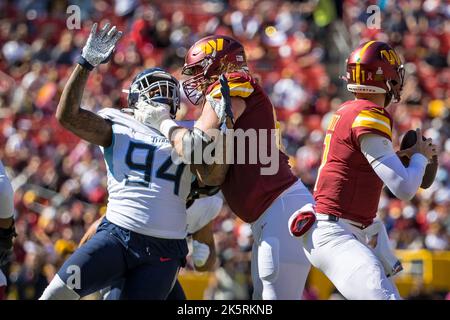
{"x":248,"y":192}
{"x":139,"y":167}
{"x":346,"y":185}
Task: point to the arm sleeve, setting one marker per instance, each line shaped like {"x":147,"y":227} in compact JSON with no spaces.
{"x":6,"y":195}
{"x":403,"y":182}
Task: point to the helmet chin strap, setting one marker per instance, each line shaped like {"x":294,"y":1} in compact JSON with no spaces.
{"x":389,"y":94}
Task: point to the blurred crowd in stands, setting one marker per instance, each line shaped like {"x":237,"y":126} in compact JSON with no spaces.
{"x":296,"y":48}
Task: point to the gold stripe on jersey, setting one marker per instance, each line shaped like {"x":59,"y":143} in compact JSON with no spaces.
{"x":237,"y":89}
{"x":374,"y":120}
{"x":374,"y":113}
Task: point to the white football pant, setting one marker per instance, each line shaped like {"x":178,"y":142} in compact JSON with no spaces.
{"x":350,"y":264}
{"x":279,"y":265}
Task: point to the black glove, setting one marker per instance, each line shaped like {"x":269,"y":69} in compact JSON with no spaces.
{"x":6,"y":244}
{"x":225,"y":91}
{"x":197,"y":191}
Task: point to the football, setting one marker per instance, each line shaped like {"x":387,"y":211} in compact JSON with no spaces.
{"x":409,"y":139}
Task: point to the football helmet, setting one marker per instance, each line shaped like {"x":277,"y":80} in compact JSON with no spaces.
{"x":157,"y":85}
{"x":374,"y":67}
{"x":206,"y":60}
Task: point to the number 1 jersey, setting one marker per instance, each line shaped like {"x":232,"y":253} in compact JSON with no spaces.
{"x":147,"y":191}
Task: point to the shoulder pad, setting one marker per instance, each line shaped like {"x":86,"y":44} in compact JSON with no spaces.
{"x":241,"y":85}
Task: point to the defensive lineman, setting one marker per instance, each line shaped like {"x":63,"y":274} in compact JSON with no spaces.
{"x":142,"y":237}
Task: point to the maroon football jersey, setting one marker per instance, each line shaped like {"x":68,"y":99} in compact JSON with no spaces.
{"x":346,"y":184}
{"x":247,"y":191}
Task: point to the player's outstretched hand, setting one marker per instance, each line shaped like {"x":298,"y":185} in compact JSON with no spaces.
{"x":152,"y":113}
{"x":99,"y":46}
{"x":200,"y":253}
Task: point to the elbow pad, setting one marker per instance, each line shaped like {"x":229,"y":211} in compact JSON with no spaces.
{"x":194,"y":142}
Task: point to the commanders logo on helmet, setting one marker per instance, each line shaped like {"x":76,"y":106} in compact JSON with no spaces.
{"x":207,"y":59}
{"x":374,"y":67}
{"x":157,"y":85}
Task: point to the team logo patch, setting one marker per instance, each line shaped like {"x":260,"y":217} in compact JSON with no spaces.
{"x":390,"y":56}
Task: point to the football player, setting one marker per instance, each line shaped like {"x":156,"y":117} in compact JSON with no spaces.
{"x":215,"y":64}
{"x":142,"y":237}
{"x":200,"y":214}
{"x":7,"y":230}
{"x":358,"y":158}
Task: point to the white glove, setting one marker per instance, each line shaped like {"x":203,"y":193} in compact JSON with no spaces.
{"x":200,"y":253}
{"x":382,"y":248}
{"x":152,"y":113}
{"x":99,"y":46}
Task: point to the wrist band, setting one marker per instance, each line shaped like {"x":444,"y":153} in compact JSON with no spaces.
{"x":166,"y":127}
{"x":84,"y":63}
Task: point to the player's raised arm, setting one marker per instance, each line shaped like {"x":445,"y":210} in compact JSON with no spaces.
{"x":85,"y":124}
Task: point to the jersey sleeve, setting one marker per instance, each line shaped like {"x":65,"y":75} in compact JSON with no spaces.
{"x":116,"y":116}
{"x":240,"y":86}
{"x":375,"y":121}
{"x":203,"y":211}
{"x":107,"y":113}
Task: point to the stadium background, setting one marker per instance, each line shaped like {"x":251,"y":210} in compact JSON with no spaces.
{"x":297,"y":49}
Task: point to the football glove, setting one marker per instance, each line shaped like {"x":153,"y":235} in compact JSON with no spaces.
{"x":302,"y":220}
{"x":99,"y":46}
{"x":382,"y":249}
{"x":222,"y":107}
{"x":152,"y":113}
{"x":200,"y":253}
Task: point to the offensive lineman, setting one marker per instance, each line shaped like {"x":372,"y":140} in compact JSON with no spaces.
{"x":142,"y":237}
{"x":279,"y":266}
{"x":358,"y":158}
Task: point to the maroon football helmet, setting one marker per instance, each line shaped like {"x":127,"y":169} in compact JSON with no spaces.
{"x":207,"y":58}
{"x":374,"y":67}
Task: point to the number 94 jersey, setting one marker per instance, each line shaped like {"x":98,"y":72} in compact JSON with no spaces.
{"x":147,"y":191}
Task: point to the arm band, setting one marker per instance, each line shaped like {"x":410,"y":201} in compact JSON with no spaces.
{"x":194,"y":142}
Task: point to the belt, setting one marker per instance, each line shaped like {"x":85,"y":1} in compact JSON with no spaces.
{"x":327,"y":217}
{"x":333,"y":218}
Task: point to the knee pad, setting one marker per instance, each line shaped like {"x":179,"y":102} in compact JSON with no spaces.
{"x":58,"y":290}
{"x":269,"y":259}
